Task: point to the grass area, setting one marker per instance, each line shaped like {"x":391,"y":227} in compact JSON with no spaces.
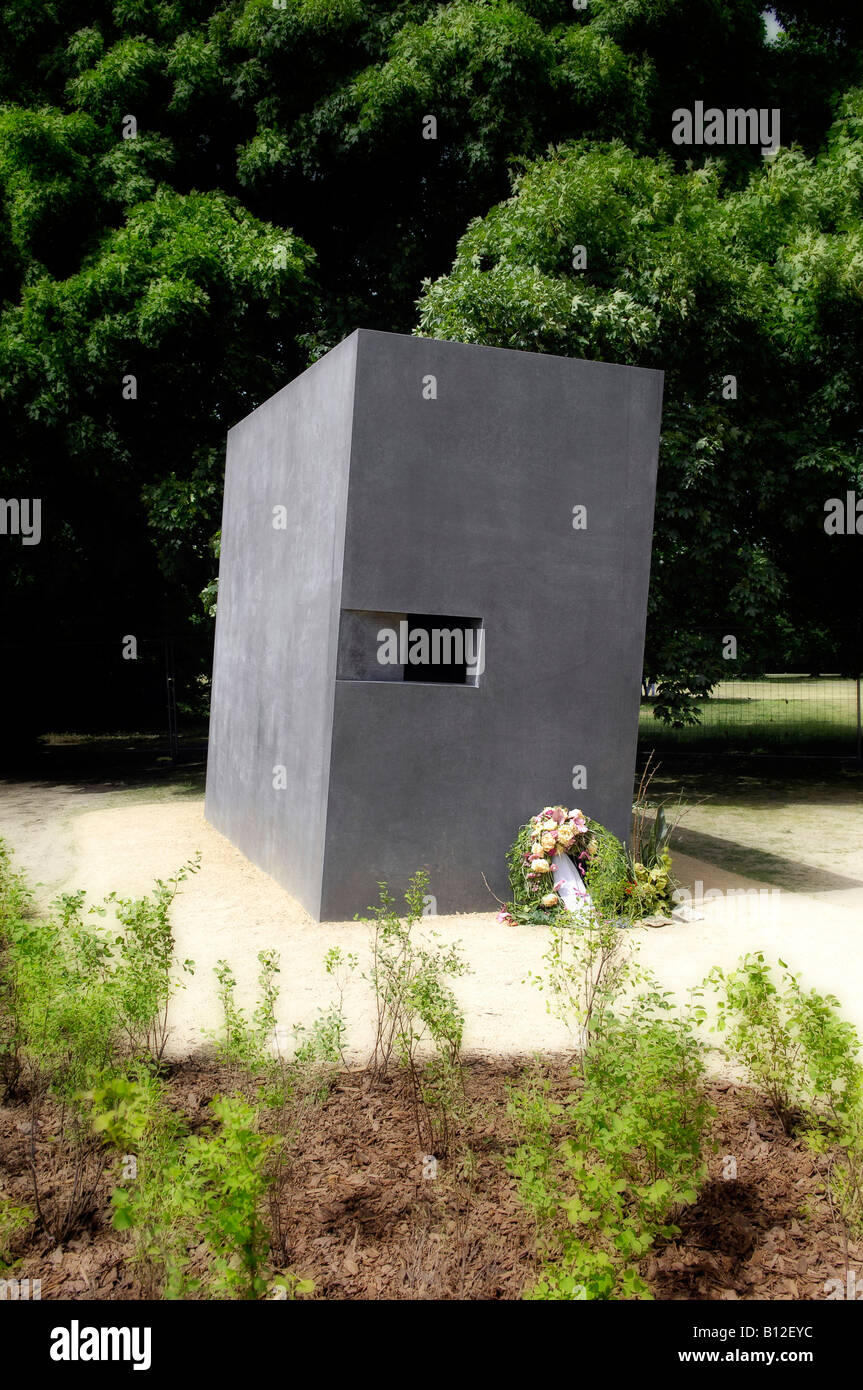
{"x":791,"y":712}
{"x":127,"y":759}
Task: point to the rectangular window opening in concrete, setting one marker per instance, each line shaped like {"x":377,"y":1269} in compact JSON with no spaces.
{"x":444,"y":650}
{"x":413,"y":648}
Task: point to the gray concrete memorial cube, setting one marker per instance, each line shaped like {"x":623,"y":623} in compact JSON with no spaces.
{"x":403,"y":498}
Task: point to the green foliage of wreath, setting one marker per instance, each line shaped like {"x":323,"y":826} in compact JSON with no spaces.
{"x":619,"y":886}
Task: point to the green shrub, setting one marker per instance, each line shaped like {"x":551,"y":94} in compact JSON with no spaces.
{"x":791,"y":1042}
{"x":254,"y":1044}
{"x":605,"y":1171}
{"x":14,"y":896}
{"x":145,"y":976}
{"x":68,"y":1012}
{"x":244,"y":1043}
{"x":417,"y":1012}
{"x":589,"y":962}
{"x":205,"y":1188}
{"x":320,"y":1046}
{"x":13,"y":1220}
{"x":843,"y":1136}
{"x":14,"y":909}
{"x":79,"y":1004}
{"x":804,"y":1057}
{"x":222,"y":1184}
{"x":83,"y":998}
{"x":124,"y":1108}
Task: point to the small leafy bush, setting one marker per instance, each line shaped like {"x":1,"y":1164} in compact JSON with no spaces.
{"x":792,"y":1042}
{"x":254,"y":1045}
{"x":206,"y":1188}
{"x":244,"y":1043}
{"x":80,"y":1004}
{"x":320,"y":1046}
{"x":13,"y":1220}
{"x":85,"y":999}
{"x":843,"y":1135}
{"x":589,"y":962}
{"x":222,"y":1188}
{"x":804,"y":1057}
{"x":14,"y":909}
{"x":147,"y":978}
{"x":605,"y":1171}
{"x":417,"y":1013}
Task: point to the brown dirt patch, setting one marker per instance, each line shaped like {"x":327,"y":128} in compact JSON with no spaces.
{"x":357,"y":1216}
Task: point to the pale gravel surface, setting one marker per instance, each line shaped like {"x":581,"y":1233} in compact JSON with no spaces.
{"x":112,"y":838}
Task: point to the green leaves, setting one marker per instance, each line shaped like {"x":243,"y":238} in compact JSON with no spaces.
{"x":415,"y":1007}
{"x":804,"y":1057}
{"x":85,"y":999}
{"x":217,"y":252}
{"x":208,"y":1188}
{"x":709,"y":281}
{"x":48,"y":185}
{"x":123,"y":1218}
{"x":793,"y":1043}
{"x":618,"y":1158}
{"x":121,"y":1111}
{"x":181,"y":270}
{"x":119,"y":81}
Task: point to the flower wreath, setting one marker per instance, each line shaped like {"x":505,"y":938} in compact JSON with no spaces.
{"x":556,"y":830}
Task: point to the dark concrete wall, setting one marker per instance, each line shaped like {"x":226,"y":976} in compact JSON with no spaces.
{"x":463,"y":504}
{"x":458,"y":505}
{"x":357,"y":655}
{"x":277,"y":623}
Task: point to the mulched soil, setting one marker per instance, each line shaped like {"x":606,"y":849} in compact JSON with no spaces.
{"x":356,"y":1214}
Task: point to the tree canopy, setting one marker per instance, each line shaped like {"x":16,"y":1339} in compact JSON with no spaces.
{"x":750,"y":300}
{"x":197,"y":199}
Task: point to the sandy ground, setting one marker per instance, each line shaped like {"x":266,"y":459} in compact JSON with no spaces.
{"x":106,"y":837}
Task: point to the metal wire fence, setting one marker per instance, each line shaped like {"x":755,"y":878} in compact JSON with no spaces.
{"x":158,"y":686}
{"x":88,"y":686}
{"x":781,"y":713}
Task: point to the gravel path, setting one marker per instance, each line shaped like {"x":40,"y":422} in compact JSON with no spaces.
{"x":109,"y":837}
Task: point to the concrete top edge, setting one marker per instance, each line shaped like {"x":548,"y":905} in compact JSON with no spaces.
{"x":345,"y":345}
{"x":492,"y":347}
{"x":353,"y":339}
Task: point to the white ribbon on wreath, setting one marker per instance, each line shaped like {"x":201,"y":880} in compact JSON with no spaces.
{"x":569,"y":884}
